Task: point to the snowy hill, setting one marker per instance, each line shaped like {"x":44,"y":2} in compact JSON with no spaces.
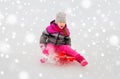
{"x":94,"y":26}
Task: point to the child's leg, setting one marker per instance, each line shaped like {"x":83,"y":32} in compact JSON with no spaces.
{"x":50,"y":48}
{"x":71,"y":52}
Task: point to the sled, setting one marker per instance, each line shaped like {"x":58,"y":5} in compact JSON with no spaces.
{"x":64,"y":57}
{"x":61,"y":58}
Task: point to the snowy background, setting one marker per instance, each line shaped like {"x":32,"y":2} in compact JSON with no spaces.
{"x":94,"y":26}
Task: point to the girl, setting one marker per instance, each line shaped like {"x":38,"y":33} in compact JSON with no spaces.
{"x":56,"y":38}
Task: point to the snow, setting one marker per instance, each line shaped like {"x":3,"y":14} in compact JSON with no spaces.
{"x":102,"y":54}
{"x":22,"y":25}
{"x":2,"y":55}
{"x":24,"y":75}
{"x":1,"y":16}
{"x":80,"y":75}
{"x":16,"y":61}
{"x":93,"y":43}
{"x":24,"y":52}
{"x":68,"y":11}
{"x":0,"y":23}
{"x":4,"y":47}
{"x":83,"y":24}
{"x":111,"y":23}
{"x":18,"y":1}
{"x":94,"y":26}
{"x":2,"y":72}
{"x":7,"y":56}
{"x":89,"y":30}
{"x":30,"y":37}
{"x":40,"y":74}
{"x":103,"y":30}
{"x":97,"y":34}
{"x":86,"y":3}
{"x":114,"y":40}
{"x":117,"y":63}
{"x":11,"y":19}
{"x":3,"y":28}
{"x":13,"y":35}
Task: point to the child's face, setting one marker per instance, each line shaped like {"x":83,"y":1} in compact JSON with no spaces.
{"x":61,"y":25}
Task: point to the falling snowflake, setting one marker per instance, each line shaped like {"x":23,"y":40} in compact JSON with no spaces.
{"x":81,"y":76}
{"x":18,"y":2}
{"x":40,"y":74}
{"x":4,"y":47}
{"x":94,"y":18}
{"x":88,"y":45}
{"x":7,"y":56}
{"x":111,"y":23}
{"x":24,"y":75}
{"x":114,"y":40}
{"x":0,"y":24}
{"x":2,"y":55}
{"x":85,"y":35}
{"x":83,"y":24}
{"x":103,"y":30}
{"x":30,"y":38}
{"x":42,"y":1}
{"x":24,"y":52}
{"x":83,"y":51}
{"x":2,"y":72}
{"x":16,"y":61}
{"x":93,"y":43}
{"x":89,"y":30}
{"x":117,"y":63}
{"x":13,"y":35}
{"x":102,"y":54}
{"x":96,"y":34}
{"x":22,"y":25}
{"x":86,"y":3}
{"x":68,"y":11}
{"x":3,"y":28}
{"x":1,"y":16}
{"x":98,"y":11}
{"x":72,"y":24}
{"x":11,"y":19}
{"x":25,"y":43}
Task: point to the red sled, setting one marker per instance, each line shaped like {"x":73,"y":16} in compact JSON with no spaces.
{"x":63,"y":58}
{"x":60,"y":58}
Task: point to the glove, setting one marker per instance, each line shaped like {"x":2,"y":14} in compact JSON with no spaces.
{"x":44,"y":50}
{"x":42,"y":46}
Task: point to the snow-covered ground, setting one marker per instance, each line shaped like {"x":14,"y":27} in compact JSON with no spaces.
{"x":95,"y":33}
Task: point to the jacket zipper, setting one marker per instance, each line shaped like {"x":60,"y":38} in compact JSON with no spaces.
{"x":57,"y":38}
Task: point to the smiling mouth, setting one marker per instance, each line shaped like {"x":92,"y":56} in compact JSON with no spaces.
{"x":61,"y":26}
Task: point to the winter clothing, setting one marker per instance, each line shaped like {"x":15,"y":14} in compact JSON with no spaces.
{"x":57,"y":40}
{"x":53,"y":34}
{"x":84,"y":63}
{"x":68,"y":50}
{"x":42,"y":46}
{"x":60,"y":17}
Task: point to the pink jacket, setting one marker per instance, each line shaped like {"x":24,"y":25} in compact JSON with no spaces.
{"x":53,"y":34}
{"x":53,"y":28}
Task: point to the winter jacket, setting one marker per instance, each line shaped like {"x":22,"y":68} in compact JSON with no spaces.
{"x":53,"y":34}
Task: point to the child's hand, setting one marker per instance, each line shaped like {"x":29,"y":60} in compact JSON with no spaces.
{"x":44,"y":50}
{"x":42,"y":46}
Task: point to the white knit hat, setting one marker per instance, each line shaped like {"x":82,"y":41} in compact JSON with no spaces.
{"x":60,"y":17}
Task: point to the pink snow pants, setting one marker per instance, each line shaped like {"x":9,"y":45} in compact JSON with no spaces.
{"x":67,"y":49}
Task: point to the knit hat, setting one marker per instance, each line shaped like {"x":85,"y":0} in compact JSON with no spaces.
{"x":60,"y":17}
